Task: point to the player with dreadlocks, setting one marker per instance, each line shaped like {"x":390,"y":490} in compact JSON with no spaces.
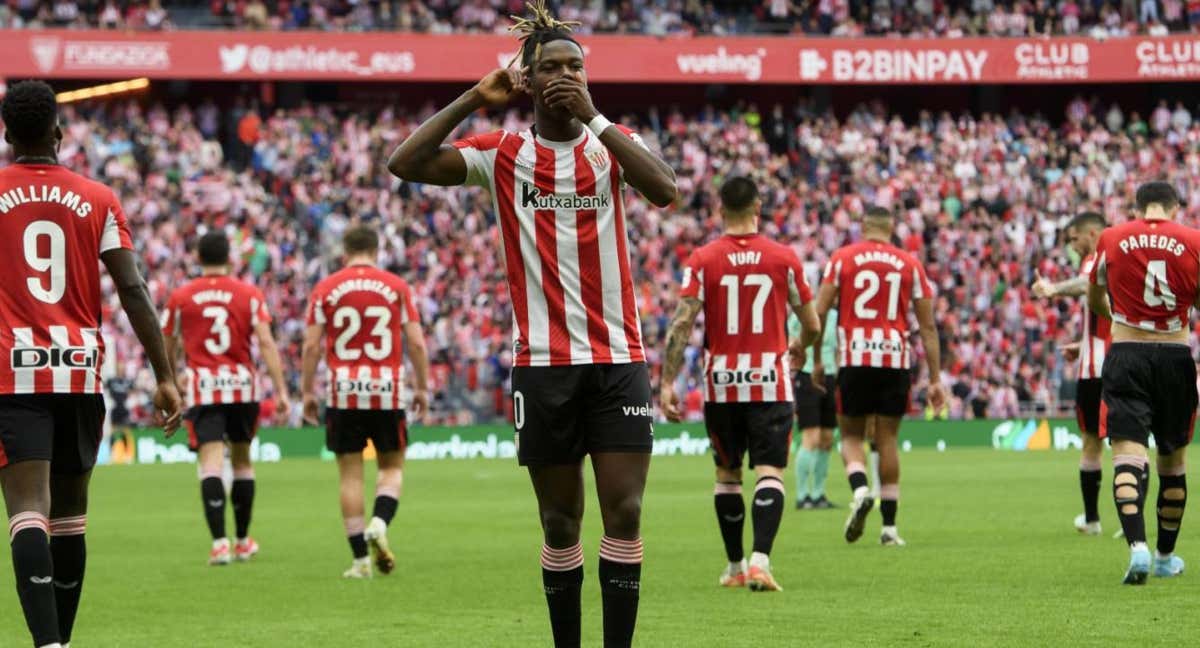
{"x":580,"y":385}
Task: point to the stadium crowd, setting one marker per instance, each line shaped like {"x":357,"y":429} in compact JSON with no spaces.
{"x":941,"y":18}
{"x":980,"y":199}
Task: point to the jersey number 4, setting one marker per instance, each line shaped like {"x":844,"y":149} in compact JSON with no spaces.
{"x":1157,"y":292}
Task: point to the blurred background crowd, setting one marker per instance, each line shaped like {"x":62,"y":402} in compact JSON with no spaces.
{"x":916,"y":18}
{"x":980,"y":198}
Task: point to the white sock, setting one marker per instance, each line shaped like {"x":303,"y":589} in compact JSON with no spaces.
{"x":53,"y":645}
{"x":737,"y":567}
{"x":1138,"y":546}
{"x":760,"y":560}
{"x":861,"y":492}
{"x":1163,"y":556}
{"x":365,"y":560}
{"x":220,"y":542}
{"x":890,"y":530}
{"x":379,"y":520}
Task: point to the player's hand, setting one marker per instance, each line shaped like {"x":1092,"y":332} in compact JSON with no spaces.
{"x":1042,"y":289}
{"x":419,"y":405}
{"x":797,"y":355}
{"x":818,"y":377}
{"x":572,"y":96}
{"x":936,"y":396}
{"x":668,"y":402}
{"x":500,"y":86}
{"x":283,"y":409}
{"x":311,"y":409}
{"x":168,"y":407}
{"x":1071,"y":352}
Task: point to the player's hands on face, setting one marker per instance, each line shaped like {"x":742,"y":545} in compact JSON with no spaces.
{"x":818,"y":377}
{"x":500,"y":86}
{"x":311,"y":409}
{"x":668,"y":402}
{"x":937,"y":396}
{"x":570,"y":94}
{"x":168,"y":407}
{"x":1071,"y":352}
{"x":419,"y":405}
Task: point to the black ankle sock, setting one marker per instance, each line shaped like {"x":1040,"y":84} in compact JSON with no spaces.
{"x":1133,"y":524}
{"x":358,"y":545}
{"x":385,"y":508}
{"x":887,"y":509}
{"x":1089,"y":486}
{"x":1167,"y":537}
{"x":70,"y":557}
{"x":241,"y":495}
{"x":768,"y":511}
{"x":562,"y":599}
{"x":620,"y":585}
{"x":858,"y":479}
{"x":34,"y":572}
{"x":731,"y":517}
{"x":212,"y":492}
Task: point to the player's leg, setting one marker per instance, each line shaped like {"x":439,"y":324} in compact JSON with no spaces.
{"x":26,"y":486}
{"x":620,"y":483}
{"x":1126,"y":417}
{"x":872,"y":458}
{"x":243,"y":425}
{"x":391,"y":438}
{"x":806,"y":463}
{"x":854,"y":429}
{"x":1172,"y":500}
{"x":887,"y":430}
{"x":807,"y":420}
{"x":212,"y":494}
{"x":727,"y":438}
{"x":68,"y":545}
{"x":769,"y":431}
{"x":1174,"y":423}
{"x":824,"y":448}
{"x":1090,"y":476}
{"x":350,"y":491}
{"x":559,"y":491}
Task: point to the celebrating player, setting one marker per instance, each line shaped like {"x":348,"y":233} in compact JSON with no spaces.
{"x":1082,"y":233}
{"x":745,"y":284}
{"x":56,"y":227}
{"x":580,"y":383}
{"x":816,"y":416}
{"x":1146,"y":279}
{"x":872,"y":283}
{"x":213,"y":318}
{"x":363,"y":311}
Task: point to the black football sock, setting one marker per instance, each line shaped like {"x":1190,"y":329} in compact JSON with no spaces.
{"x":385,"y":508}
{"x":34,"y":573}
{"x":731,"y":518}
{"x":620,"y":585}
{"x":241,"y":495}
{"x":69,"y":552}
{"x":212,"y":492}
{"x":1172,"y":499}
{"x":358,"y":545}
{"x":889,"y":503}
{"x":856,"y":474}
{"x":562,"y":579}
{"x":768,"y":512}
{"x":1089,"y":486}
{"x":1128,"y":474}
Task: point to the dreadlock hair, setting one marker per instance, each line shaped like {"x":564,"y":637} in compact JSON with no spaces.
{"x":29,"y":111}
{"x":539,"y":29}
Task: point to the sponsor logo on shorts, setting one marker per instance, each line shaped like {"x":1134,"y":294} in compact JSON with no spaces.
{"x":637,"y":410}
{"x":55,"y":357}
{"x":735,"y":377}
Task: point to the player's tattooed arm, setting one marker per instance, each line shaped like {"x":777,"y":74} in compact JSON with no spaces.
{"x":310,"y":355}
{"x":423,"y":156}
{"x":414,"y":343}
{"x":678,"y":332}
{"x":1098,"y":301}
{"x":1073,"y":287}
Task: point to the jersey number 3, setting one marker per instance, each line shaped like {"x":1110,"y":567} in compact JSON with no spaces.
{"x":1158,"y":292}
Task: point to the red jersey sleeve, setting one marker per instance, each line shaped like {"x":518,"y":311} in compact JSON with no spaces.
{"x":115,"y":233}
{"x":408,"y":309}
{"x":833,"y":268}
{"x":258,"y":309}
{"x":479,"y":154}
{"x":922,"y":287}
{"x":692,"y":285}
{"x":799,"y":292}
{"x":1096,"y":274}
{"x":170,"y":316}
{"x":314,"y":314}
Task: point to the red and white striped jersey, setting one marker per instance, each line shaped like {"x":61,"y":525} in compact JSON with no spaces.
{"x":566,"y":251}
{"x":876,"y":285}
{"x":54,"y":225}
{"x":364,"y":310}
{"x":1097,"y":333}
{"x":215,"y":317}
{"x":748,"y":285}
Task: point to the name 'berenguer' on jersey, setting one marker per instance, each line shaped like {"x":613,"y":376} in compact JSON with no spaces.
{"x":748,"y":285}
{"x":563,"y":230}
{"x":216,"y":316}
{"x":876,"y":283}
{"x":363,"y":310}
{"x":54,"y":225}
{"x":1156,"y":291}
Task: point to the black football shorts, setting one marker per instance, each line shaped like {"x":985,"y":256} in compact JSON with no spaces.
{"x":873,"y":391}
{"x":233,"y":422}
{"x":64,"y":429}
{"x":347,"y":430}
{"x":1149,"y":388}
{"x":1087,"y":405}
{"x":814,"y":409}
{"x":563,"y":413}
{"x":762,"y":429}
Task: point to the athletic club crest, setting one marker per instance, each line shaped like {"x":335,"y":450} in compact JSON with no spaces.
{"x":44,"y":52}
{"x":598,"y":158}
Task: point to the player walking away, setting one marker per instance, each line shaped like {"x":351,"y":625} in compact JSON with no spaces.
{"x":580,"y":383}
{"x":1146,"y":279}
{"x":816,"y":416}
{"x":56,"y":225}
{"x":746,"y":285}
{"x":1082,"y":233}
{"x":872,"y":283}
{"x":362,"y":311}
{"x":214,"y":319}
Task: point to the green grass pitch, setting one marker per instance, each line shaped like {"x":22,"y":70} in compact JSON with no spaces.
{"x":992,"y":561}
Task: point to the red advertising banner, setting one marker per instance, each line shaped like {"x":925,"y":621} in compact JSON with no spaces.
{"x":322,"y":56}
